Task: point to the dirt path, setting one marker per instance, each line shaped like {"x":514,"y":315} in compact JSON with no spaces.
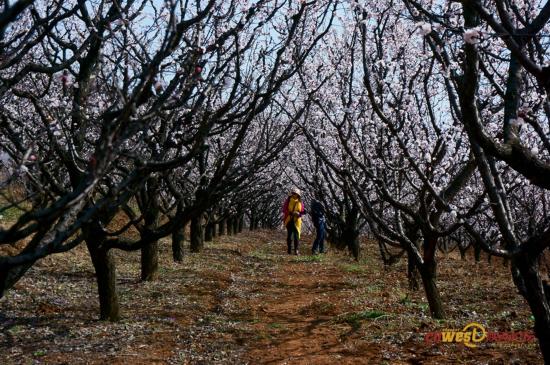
{"x":295,"y":308}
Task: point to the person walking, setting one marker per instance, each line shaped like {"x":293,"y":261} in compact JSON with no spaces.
{"x":319,"y":221}
{"x":293,"y":209}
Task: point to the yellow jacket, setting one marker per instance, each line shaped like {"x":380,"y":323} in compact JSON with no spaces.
{"x":294,"y":206}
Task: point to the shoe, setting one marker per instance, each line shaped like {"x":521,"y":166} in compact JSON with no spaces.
{"x":296,"y":253}
{"x":314,"y":252}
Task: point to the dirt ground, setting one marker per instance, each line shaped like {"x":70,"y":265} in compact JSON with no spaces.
{"x":244,"y":301}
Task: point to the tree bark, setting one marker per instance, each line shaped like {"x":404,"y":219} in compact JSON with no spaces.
{"x":150,"y":261}
{"x":477,"y":252}
{"x":230,"y":226}
{"x":214,"y":230}
{"x":235,"y":225}
{"x":104,"y":265}
{"x":10,"y":276}
{"x":241,"y":224}
{"x":428,"y":275}
{"x":537,"y":300}
{"x":221,"y":227}
{"x":351,"y":237}
{"x":196,"y":233}
{"x":462,"y":252}
{"x":350,"y":231}
{"x":412,"y":273}
{"x":149,"y":253}
{"x":252,"y":221}
{"x":209,"y":232}
{"x":178,"y":237}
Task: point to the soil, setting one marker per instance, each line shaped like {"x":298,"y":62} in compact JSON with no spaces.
{"x":243,"y":300}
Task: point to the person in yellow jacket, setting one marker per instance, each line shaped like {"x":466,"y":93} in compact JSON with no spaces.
{"x":293,"y":209}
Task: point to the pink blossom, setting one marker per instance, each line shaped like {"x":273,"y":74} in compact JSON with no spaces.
{"x":472,"y":36}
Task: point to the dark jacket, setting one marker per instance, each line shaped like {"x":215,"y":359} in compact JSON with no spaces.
{"x":317,"y":212}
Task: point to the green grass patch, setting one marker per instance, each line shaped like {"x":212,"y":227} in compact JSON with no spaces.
{"x":354,"y":268}
{"x":356,"y":319}
{"x":15,"y":329}
{"x":275,"y":325}
{"x":11,"y":214}
{"x":406,"y":301}
{"x":263,"y":336}
{"x":424,"y":306}
{"x":373,"y":288}
{"x":262,"y":254}
{"x":368,"y":260}
{"x":39,"y":353}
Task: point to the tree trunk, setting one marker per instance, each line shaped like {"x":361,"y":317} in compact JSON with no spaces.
{"x":350,"y":232}
{"x":209,"y":232}
{"x":8,"y":277}
{"x":149,"y":253}
{"x":428,"y":272}
{"x":221,"y":227}
{"x":214,"y":230}
{"x":178,"y":237}
{"x":196,"y":233}
{"x":538,"y":302}
{"x":412,"y":273}
{"x":230,"y":226}
{"x":353,"y":242}
{"x":517,"y":278}
{"x":105,"y":271}
{"x":350,"y":238}
{"x":462,"y":252}
{"x":241,"y":224}
{"x":477,"y":253}
{"x":428,"y":275}
{"x":150,"y":261}
{"x":252,"y":221}
{"x":235,"y":225}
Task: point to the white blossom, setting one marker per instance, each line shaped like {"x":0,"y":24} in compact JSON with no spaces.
{"x":425,"y":28}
